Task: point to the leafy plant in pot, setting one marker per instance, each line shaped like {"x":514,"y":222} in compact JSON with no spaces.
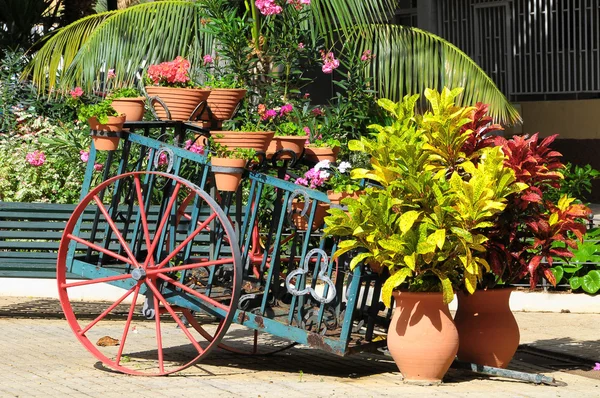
{"x":170,"y":83}
{"x":226,"y":92}
{"x":228,"y":165}
{"x":128,"y":101}
{"x":105,"y":122}
{"x":422,"y":229}
{"x":289,"y":135}
{"x":530,"y":229}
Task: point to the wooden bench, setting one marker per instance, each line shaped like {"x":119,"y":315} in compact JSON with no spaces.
{"x":29,"y":238}
{"x":30,"y":234}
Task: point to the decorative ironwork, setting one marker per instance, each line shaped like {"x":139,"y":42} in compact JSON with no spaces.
{"x":322,"y":266}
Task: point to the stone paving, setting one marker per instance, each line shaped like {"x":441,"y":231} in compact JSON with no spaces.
{"x":42,"y":357}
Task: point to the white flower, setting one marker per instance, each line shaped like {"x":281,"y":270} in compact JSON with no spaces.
{"x":324,"y":174}
{"x":323,"y":164}
{"x":344,"y":166}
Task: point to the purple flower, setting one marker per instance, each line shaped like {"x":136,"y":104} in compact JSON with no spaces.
{"x":193,"y":147}
{"x":300,"y":46}
{"x":597,"y":367}
{"x":84,"y":156}
{"x":36,"y":158}
{"x":269,"y":114}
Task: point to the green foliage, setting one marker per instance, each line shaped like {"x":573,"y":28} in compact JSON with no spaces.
{"x":221,"y":151}
{"x":582,"y":271}
{"x":577,"y":183}
{"x":427,"y":220}
{"x":125,"y":92}
{"x":289,"y":129}
{"x":13,"y":93}
{"x":101,"y":110}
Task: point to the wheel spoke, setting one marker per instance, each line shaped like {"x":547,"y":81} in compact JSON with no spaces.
{"x":100,"y":249}
{"x":191,"y":291}
{"x":166,"y":216}
{"x":114,"y":228}
{"x":127,"y":324}
{"x":175,"y":317}
{"x":153,"y":271}
{"x":187,"y":240}
{"x":105,"y":312}
{"x":67,"y":285}
{"x":138,"y":189}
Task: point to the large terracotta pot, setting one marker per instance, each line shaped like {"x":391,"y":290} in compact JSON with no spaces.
{"x":422,"y":338}
{"x":317,"y":154}
{"x":223,"y":102}
{"x":228,"y":180}
{"x":258,"y":140}
{"x":293,"y":143}
{"x":302,"y":222}
{"x":180,"y":101}
{"x":106,"y":136}
{"x":133,"y":108}
{"x":489,"y":334}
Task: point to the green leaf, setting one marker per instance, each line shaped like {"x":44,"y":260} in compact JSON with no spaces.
{"x":558,"y":272}
{"x":575,"y":282}
{"x":410,"y":261}
{"x":408,"y":219}
{"x":393,"y":282}
{"x":591,"y":282}
{"x":358,"y":259}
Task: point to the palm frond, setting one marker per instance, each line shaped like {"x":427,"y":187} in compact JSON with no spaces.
{"x":334,"y":19}
{"x":135,"y":37}
{"x":409,"y":60}
{"x":60,"y":49}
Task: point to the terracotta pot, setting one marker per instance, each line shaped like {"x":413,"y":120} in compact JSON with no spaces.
{"x":317,"y":154}
{"x":489,"y":334}
{"x":133,"y":108}
{"x":106,"y":136}
{"x":180,"y":101}
{"x":293,"y":143}
{"x":422,"y":338}
{"x":228,"y":180}
{"x":302,"y":222}
{"x":258,"y":140}
{"x":336,"y":197}
{"x":223,"y":102}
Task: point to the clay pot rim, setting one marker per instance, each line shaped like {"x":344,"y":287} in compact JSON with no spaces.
{"x":397,"y":292}
{"x":130,"y":99}
{"x":177,"y":88}
{"x":291,"y":137}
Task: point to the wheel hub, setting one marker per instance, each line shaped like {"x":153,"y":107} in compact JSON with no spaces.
{"x":138,"y":274}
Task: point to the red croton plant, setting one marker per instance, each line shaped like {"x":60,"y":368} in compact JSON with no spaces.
{"x":531,"y":229}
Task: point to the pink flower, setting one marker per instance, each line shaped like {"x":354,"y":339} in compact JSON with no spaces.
{"x":317,"y":112}
{"x":162,"y":159}
{"x":111,"y":74}
{"x":367,"y":55}
{"x":98,"y":167}
{"x":597,"y":367}
{"x":269,"y":114}
{"x":287,"y":108}
{"x":306,"y":95}
{"x":170,"y":73}
{"x":287,"y":177}
{"x":36,"y":158}
{"x":300,"y":46}
{"x":208,"y":59}
{"x":84,"y":156}
{"x":268,"y":7}
{"x":76,"y":92}
{"x":193,"y":147}
{"x":306,"y":130}
{"x":329,"y":62}
{"x":298,"y":3}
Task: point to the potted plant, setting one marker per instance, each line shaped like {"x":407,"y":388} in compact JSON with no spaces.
{"x":226,"y":91}
{"x":128,"y":101}
{"x":247,"y":136}
{"x":105,"y":122}
{"x":228,"y":165}
{"x":531,"y":228}
{"x":422,"y":229}
{"x":169,"y":83}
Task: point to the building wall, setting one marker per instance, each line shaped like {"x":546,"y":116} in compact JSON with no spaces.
{"x":576,"y":119}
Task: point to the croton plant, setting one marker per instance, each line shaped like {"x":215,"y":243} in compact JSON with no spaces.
{"x":455,"y":207}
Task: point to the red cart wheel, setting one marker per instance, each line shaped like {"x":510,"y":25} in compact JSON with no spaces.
{"x":124,"y":233}
{"x":244,"y":341}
